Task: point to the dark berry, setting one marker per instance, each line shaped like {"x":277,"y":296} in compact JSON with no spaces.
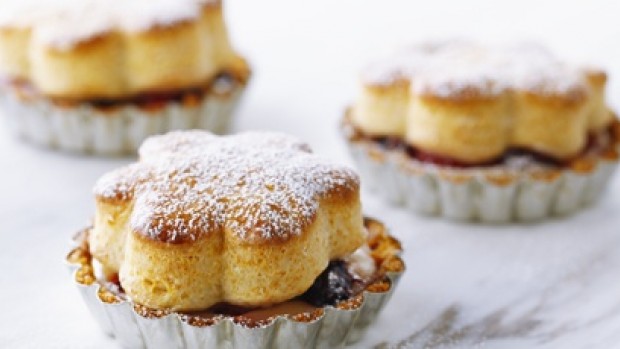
{"x":335,"y":284}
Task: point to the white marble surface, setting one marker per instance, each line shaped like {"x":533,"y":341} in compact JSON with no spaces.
{"x":549,"y":285}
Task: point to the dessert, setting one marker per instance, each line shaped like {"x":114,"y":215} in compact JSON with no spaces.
{"x":483,"y":133}
{"x":250,"y":231}
{"x":101,"y":76}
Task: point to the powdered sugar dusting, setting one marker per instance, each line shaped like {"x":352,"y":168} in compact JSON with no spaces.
{"x":445,"y":69}
{"x":258,"y":186}
{"x":63,"y":23}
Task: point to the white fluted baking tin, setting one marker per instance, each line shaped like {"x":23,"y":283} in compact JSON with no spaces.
{"x":335,"y":328}
{"x":493,"y":194}
{"x":87,"y":129}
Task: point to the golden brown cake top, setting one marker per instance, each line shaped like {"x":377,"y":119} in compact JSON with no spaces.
{"x":258,"y":186}
{"x":462,"y":69}
{"x":63,"y":23}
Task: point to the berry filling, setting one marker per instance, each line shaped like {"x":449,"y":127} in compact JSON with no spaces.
{"x":335,"y":284}
{"x":222,"y":83}
{"x":595,"y":143}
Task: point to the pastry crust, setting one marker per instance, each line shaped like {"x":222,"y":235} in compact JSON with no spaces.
{"x":472,"y":104}
{"x":250,"y":219}
{"x":116,"y":61}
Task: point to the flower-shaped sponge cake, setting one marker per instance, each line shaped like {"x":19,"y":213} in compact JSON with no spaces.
{"x":249,"y":219}
{"x":93,"y":49}
{"x":472,"y":103}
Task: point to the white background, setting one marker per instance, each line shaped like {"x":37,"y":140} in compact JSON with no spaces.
{"x":549,"y":285}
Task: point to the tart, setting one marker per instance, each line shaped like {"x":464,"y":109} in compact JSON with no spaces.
{"x":101,"y":76}
{"x":247,"y":239}
{"x":485,"y":133}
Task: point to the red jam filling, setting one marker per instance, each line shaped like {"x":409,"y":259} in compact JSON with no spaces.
{"x":148,"y":100}
{"x":595,"y":142}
